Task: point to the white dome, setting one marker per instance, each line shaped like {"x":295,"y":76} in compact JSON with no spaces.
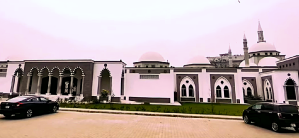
{"x":251,"y":64}
{"x":151,"y":56}
{"x":268,"y":61}
{"x":261,"y":46}
{"x":199,"y":60}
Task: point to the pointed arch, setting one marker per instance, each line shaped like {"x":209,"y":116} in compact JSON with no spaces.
{"x":248,"y":86}
{"x":290,"y":89}
{"x":54,"y":68}
{"x":78,"y":68}
{"x":34,"y":68}
{"x":222,"y":82}
{"x":187,"y":82}
{"x":45,"y":68}
{"x":268,"y":90}
{"x":105,"y":71}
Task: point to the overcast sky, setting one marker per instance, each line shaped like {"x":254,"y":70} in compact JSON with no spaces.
{"x":125,"y":29}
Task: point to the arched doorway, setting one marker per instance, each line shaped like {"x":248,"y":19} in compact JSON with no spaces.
{"x":45,"y":80}
{"x":17,"y":82}
{"x":33,"y":81}
{"x":290,"y":91}
{"x":105,"y":81}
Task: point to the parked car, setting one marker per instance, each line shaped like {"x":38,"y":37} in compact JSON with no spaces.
{"x":27,"y":106}
{"x":273,"y":115}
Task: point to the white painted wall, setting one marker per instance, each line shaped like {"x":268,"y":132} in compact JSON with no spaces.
{"x":279,"y":78}
{"x":151,"y":88}
{"x":5,"y":82}
{"x":204,"y":85}
{"x":115,"y":71}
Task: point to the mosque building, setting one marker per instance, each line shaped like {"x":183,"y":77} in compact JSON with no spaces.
{"x":262,"y":71}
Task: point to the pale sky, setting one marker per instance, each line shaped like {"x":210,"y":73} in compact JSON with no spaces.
{"x":125,"y":29}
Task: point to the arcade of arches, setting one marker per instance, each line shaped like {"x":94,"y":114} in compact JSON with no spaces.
{"x":55,"y":82}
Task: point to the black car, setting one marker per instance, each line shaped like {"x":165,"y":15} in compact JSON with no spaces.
{"x":27,"y":106}
{"x":273,"y":115}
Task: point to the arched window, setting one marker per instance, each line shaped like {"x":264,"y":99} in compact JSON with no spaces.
{"x":290,"y":90}
{"x":191,"y":91}
{"x":184,"y":93}
{"x":267,"y":92}
{"x":218,"y":91}
{"x":270,"y":93}
{"x":226,"y":92}
{"x":249,"y":92}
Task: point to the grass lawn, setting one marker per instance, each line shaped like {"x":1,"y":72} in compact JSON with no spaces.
{"x":190,"y":108}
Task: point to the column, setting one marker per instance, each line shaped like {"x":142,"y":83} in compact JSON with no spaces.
{"x":78,"y":87}
{"x":81,"y":95}
{"x":28,"y":83}
{"x":16,"y":84}
{"x":71,"y":84}
{"x":111,"y":92}
{"x":297,"y":94}
{"x":49,"y":83}
{"x":99,"y":86}
{"x":110,"y":77}
{"x":285,"y":94}
{"x":59,"y":84}
{"x":12,"y":84}
{"x":39,"y":83}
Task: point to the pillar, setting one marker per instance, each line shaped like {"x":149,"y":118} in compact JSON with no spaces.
{"x":39,"y":83}
{"x":297,"y":94}
{"x":12,"y":83}
{"x":59,"y":83}
{"x":28,"y":83}
{"x":71,"y":85}
{"x":285,"y":94}
{"x":99,"y":86}
{"x":111,"y":92}
{"x":79,"y":87}
{"x":110,"y":85}
{"x":16,"y":83}
{"x":49,"y":83}
{"x":81,"y":95}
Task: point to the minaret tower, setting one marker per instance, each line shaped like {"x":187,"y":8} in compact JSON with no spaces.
{"x":260,"y":33}
{"x":230,"y":59}
{"x":245,"y":48}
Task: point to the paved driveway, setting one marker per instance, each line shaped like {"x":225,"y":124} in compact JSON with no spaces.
{"x":96,"y":125}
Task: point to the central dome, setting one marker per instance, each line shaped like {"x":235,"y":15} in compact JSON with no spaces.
{"x":261,"y":46}
{"x":151,"y":56}
{"x":199,"y":60}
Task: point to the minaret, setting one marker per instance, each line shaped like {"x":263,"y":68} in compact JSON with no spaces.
{"x":230,"y":59}
{"x":245,"y":48}
{"x":260,"y":33}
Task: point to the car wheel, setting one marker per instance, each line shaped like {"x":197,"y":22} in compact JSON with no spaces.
{"x":275,"y":127}
{"x":7,"y":115}
{"x":246,"y":119}
{"x":54,"y":109}
{"x":29,"y":113}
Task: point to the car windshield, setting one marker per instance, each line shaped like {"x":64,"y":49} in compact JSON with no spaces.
{"x":17,"y":99}
{"x":288,"y":109}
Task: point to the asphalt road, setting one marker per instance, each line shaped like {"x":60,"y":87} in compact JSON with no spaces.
{"x":96,"y":125}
